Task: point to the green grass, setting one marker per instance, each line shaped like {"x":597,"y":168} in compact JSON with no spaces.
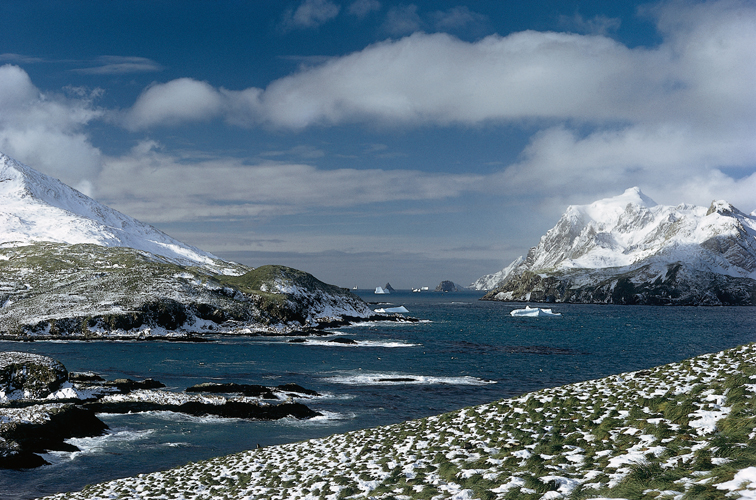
{"x":475,"y":448}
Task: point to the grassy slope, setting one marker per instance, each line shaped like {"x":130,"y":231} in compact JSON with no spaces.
{"x":58,"y":289}
{"x":635,"y":435}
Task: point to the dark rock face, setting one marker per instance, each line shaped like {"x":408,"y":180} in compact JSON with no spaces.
{"x":251,"y":390}
{"x":84,"y":377}
{"x":343,"y":341}
{"x":126,"y":385}
{"x":231,"y":409}
{"x":21,"y":441}
{"x":680,"y":285}
{"x":29,"y":426}
{"x":33,"y":375}
{"x":389,"y":287}
{"x":298,"y":389}
{"x":447,"y":286}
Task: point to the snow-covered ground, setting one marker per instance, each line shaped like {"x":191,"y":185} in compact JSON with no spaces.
{"x":682,"y":428}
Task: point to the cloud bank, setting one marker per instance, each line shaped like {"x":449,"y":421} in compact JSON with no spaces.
{"x":49,"y":130}
{"x":703,"y":71}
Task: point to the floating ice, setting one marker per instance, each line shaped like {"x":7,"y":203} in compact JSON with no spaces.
{"x":533,"y":312}
{"x":400,"y":309}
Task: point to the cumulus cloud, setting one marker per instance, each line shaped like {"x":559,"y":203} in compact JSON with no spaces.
{"x":48,"y":130}
{"x":703,"y":71}
{"x":310,"y":14}
{"x":682,"y":110}
{"x":178,"y":101}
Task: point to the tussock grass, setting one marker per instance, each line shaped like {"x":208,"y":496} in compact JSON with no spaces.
{"x":676,"y":431}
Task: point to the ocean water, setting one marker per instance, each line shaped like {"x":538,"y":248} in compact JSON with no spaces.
{"x":463,"y":352}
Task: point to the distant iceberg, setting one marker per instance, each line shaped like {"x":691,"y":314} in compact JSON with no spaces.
{"x":380,"y":291}
{"x":400,"y":309}
{"x":530,"y":312}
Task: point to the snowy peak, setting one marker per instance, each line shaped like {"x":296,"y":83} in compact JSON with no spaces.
{"x":35,"y":207}
{"x":609,"y":209}
{"x":629,"y":231}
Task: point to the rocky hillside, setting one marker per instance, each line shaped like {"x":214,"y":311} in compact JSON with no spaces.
{"x":629,"y":250}
{"x":71,"y":267}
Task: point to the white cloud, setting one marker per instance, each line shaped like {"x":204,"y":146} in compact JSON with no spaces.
{"x":178,"y":101}
{"x":703,"y":73}
{"x":48,"y":130}
{"x":310,"y":14}
{"x":161,"y":187}
{"x":662,"y":116}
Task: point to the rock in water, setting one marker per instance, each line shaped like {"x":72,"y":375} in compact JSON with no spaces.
{"x":29,"y":431}
{"x":447,"y":286}
{"x":29,"y":376}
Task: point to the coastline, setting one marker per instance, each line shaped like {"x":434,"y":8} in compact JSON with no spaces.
{"x":684,"y":429}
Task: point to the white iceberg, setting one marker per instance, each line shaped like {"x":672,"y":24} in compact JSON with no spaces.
{"x":530,"y":312}
{"x":380,"y":291}
{"x":400,"y":309}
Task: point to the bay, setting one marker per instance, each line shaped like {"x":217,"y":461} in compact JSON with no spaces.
{"x":463,"y":352}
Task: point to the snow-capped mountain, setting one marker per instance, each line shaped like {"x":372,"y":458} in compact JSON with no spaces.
{"x":35,"y":207}
{"x":72,"y":267}
{"x":628,"y":249}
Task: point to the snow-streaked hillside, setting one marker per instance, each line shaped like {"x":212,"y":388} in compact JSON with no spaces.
{"x":35,"y":207}
{"x":623,"y":235}
{"x":72,"y":267}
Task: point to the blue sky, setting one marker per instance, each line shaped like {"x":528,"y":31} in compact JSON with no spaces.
{"x":370,"y":141}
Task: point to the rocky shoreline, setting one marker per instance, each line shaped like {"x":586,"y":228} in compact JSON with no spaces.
{"x":228,"y":329}
{"x":42,"y":405}
{"x":684,"y":430}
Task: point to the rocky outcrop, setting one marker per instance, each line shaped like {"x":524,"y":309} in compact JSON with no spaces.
{"x":230,"y":409}
{"x":28,"y":431}
{"x":30,"y":424}
{"x":448,"y":286}
{"x":30,"y":376}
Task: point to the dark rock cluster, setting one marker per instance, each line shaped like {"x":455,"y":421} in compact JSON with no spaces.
{"x":30,"y":424}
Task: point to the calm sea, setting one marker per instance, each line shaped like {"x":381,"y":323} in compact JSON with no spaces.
{"x":463,"y":352}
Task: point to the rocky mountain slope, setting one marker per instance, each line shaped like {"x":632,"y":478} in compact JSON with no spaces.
{"x":629,"y":250}
{"x":72,"y":267}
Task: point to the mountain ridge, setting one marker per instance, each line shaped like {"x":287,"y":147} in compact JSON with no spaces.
{"x":35,"y":207}
{"x":658,"y":254}
{"x":71,"y":267}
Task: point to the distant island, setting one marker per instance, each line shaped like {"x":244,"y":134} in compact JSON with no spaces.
{"x":630,"y":250}
{"x":449,"y":286}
